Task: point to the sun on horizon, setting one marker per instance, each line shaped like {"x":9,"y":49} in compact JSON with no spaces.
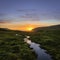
{"x":29,"y":28}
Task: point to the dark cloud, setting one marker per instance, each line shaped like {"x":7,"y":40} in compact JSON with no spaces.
{"x":44,"y":15}
{"x":48,"y":15}
{"x":31,"y":16}
{"x":26,"y":10}
{"x":4,"y":21}
{"x":2,"y":14}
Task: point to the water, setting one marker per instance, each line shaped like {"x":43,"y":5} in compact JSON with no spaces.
{"x":41,"y":53}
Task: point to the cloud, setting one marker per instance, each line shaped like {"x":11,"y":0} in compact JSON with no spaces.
{"x":2,"y":21}
{"x":2,"y":14}
{"x":31,"y":16}
{"x":26,"y":10}
{"x":51,"y":15}
{"x":37,"y":15}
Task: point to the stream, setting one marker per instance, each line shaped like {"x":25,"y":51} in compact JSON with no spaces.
{"x":41,"y":53}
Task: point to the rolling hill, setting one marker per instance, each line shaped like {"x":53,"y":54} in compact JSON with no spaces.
{"x":54,"y":27}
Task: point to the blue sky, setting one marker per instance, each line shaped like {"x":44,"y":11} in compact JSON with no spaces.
{"x":30,"y":11}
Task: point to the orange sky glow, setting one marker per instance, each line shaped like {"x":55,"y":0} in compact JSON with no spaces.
{"x":27,"y":15}
{"x":23,"y":27}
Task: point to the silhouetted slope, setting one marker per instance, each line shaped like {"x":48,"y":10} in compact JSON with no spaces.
{"x":54,"y":27}
{"x":4,"y":29}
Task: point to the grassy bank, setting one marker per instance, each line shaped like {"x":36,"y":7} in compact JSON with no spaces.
{"x":49,"y":40}
{"x":12,"y":47}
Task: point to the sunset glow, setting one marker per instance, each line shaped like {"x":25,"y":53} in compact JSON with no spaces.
{"x":27,"y":15}
{"x":26,"y":25}
{"x":30,"y":28}
{"x":23,"y":27}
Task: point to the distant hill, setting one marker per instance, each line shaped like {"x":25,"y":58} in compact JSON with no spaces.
{"x":54,"y":27}
{"x":4,"y":29}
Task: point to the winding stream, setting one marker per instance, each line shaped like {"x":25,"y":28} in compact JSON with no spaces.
{"x":41,"y":53}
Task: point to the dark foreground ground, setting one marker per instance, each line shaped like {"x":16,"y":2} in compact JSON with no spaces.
{"x":13,"y":47}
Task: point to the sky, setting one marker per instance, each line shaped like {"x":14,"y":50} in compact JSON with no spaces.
{"x":22,"y":14}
